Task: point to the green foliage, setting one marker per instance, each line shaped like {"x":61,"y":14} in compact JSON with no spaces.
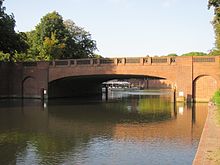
{"x":97,"y":56}
{"x":10,"y":41}
{"x":194,"y":54}
{"x":214,"y":52}
{"x":17,"y":57}
{"x":216,"y":97}
{"x":216,"y":21}
{"x":172,"y":54}
{"x":79,"y":43}
{"x":4,"y":56}
{"x":46,"y":40}
{"x":23,"y":57}
{"x":54,"y":38}
{"x":214,"y":3}
{"x":154,"y":105}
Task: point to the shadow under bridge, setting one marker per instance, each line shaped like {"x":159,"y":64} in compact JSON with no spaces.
{"x":85,"y":86}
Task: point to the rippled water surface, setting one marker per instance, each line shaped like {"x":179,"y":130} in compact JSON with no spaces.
{"x":125,"y":130}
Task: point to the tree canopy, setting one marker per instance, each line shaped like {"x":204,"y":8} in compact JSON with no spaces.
{"x":10,"y":41}
{"x":172,"y":54}
{"x":47,"y":41}
{"x":216,"y":24}
{"x":194,"y":54}
{"x":52,"y":38}
{"x":79,"y":41}
{"x":214,"y":3}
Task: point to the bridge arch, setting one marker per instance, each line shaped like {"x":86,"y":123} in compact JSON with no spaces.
{"x":27,"y":86}
{"x":204,"y":87}
{"x":87,"y":85}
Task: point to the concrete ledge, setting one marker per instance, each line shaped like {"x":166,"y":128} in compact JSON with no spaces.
{"x":208,"y":152}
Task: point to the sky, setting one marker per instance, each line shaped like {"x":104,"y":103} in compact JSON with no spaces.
{"x":128,"y":28}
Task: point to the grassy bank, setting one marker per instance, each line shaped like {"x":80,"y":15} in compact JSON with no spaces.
{"x":216,"y":100}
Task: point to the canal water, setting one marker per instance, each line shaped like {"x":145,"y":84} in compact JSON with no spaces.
{"x":130,"y":128}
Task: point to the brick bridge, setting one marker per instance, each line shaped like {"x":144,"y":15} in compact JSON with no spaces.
{"x":193,"y":78}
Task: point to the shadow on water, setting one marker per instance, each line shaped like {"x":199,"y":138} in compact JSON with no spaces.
{"x":78,"y":131}
{"x":135,"y":109}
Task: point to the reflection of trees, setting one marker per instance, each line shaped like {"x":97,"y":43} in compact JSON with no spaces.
{"x":30,"y":126}
{"x":50,"y":149}
{"x":10,"y":145}
{"x":142,"y":108}
{"x":68,"y":129}
{"x":54,"y":149}
{"x":155,"y":108}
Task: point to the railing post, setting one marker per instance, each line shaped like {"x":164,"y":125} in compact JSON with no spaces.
{"x":91,"y":61}
{"x":123,"y":61}
{"x":142,"y":61}
{"x":149,"y":61}
{"x":98,"y":61}
{"x":168,"y":60}
{"x":68,"y":64}
{"x":115,"y":61}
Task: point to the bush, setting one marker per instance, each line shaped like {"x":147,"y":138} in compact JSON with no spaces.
{"x":216,"y":97}
{"x":4,"y":56}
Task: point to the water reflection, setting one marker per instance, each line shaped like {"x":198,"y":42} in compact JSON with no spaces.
{"x":136,"y":129}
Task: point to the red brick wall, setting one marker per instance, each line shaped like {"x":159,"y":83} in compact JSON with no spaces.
{"x":18,"y":80}
{"x":181,"y":73}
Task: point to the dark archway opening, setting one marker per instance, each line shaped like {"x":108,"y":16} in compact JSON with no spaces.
{"x":86,"y":86}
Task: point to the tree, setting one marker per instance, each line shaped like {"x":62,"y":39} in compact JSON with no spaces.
{"x":216,"y":21}
{"x":194,"y":54}
{"x":54,"y":38}
{"x":48,"y":39}
{"x":79,"y":43}
{"x":214,"y":3}
{"x":214,"y":52}
{"x":172,"y":54}
{"x":4,"y":56}
{"x":10,"y":41}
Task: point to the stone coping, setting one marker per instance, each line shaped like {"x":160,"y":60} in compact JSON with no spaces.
{"x":208,"y":152}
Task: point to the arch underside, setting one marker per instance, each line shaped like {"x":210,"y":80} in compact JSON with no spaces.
{"x":204,"y":88}
{"x":89,"y":85}
{"x":29,"y":87}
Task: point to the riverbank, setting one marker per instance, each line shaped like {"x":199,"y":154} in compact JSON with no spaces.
{"x":208,"y":152}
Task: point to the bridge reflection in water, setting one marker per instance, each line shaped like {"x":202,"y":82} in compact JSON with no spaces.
{"x":127,"y":130}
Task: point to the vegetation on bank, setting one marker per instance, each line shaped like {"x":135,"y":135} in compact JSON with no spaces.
{"x":216,"y":97}
{"x":216,"y":100}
